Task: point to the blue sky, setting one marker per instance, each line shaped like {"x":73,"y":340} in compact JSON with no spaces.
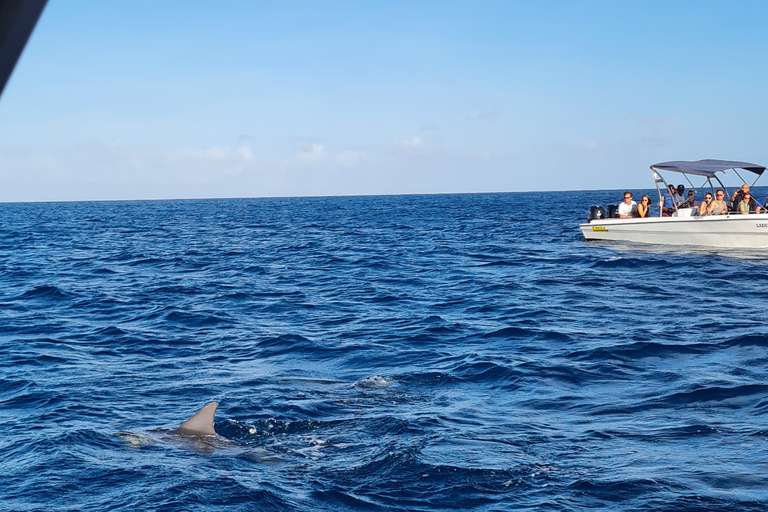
{"x":147,"y":100}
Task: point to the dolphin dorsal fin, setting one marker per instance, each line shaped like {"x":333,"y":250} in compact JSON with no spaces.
{"x":201,"y":424}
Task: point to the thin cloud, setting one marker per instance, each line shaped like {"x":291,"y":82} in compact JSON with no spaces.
{"x":309,"y":155}
{"x":489,"y":116}
{"x":350,"y":159}
{"x":656,"y":122}
{"x":215,"y":153}
{"x":656,"y":131}
{"x":412,"y":146}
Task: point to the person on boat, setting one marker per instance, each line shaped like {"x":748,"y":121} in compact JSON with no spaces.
{"x":718,"y":206}
{"x":748,"y":204}
{"x":668,"y":206}
{"x":679,"y":196}
{"x":690,"y":201}
{"x":706,"y":205}
{"x":627,"y":209}
{"x":644,"y":208}
{"x":738,"y":196}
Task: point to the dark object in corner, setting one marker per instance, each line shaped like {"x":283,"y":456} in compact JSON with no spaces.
{"x":17,"y":19}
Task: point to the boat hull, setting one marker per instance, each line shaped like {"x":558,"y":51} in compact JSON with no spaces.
{"x":731,"y":230}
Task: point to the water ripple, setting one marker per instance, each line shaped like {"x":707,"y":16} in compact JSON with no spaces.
{"x":381,"y":353}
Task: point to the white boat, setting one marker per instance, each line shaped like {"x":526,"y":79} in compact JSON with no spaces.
{"x":685,"y":226}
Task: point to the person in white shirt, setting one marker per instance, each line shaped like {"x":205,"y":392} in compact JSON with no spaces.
{"x":679,"y":196}
{"x":628,"y":209}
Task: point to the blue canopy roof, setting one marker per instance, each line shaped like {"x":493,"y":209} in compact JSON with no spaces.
{"x":707,"y":167}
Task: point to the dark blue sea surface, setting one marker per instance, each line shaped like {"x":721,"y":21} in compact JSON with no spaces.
{"x":448,"y":352}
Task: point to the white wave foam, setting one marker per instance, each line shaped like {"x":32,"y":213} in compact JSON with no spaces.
{"x":374,"y":381}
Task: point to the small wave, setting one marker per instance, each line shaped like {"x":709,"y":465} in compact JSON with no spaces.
{"x":45,"y":292}
{"x":554,"y":336}
{"x":292,"y":344}
{"x":194,"y":320}
{"x":638,"y":350}
{"x":716,"y":394}
{"x":110,"y":332}
{"x":487,"y":372}
{"x":618,"y":490}
{"x":428,"y":379}
{"x":254,"y":269}
{"x":510,"y":332}
{"x":141,"y":262}
{"x":629,"y":263}
{"x":500,"y":263}
{"x":645,"y":349}
{"x":752,"y":340}
{"x":105,"y":271}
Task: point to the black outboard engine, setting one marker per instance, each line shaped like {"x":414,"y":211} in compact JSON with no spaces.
{"x":613,"y":211}
{"x":595,"y":213}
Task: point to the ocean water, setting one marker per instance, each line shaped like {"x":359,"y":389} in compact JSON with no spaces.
{"x":448,"y":352}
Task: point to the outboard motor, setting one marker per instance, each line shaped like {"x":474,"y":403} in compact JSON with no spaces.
{"x":613,"y":211}
{"x":595,"y":213}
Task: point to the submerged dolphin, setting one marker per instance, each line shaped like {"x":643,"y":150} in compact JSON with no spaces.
{"x":197,"y":432}
{"x":199,"y":435}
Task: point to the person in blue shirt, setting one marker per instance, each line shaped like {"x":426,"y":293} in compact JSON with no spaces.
{"x":668,"y":205}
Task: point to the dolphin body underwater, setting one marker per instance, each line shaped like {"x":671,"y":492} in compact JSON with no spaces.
{"x":197,"y":433}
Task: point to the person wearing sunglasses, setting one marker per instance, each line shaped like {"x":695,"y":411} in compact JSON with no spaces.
{"x":706,"y":205}
{"x":718,"y":206}
{"x":690,"y":202}
{"x":644,"y":208}
{"x":627,"y":209}
{"x":737,"y":196}
{"x":748,"y":204}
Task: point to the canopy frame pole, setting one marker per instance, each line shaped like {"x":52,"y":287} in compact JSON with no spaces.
{"x":659,"y":178}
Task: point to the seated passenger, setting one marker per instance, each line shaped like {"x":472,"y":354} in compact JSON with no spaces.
{"x":628,"y":208}
{"x":738,"y":195}
{"x":748,"y":204}
{"x":680,"y":190}
{"x":668,"y":206}
{"x":706,"y":205}
{"x":644,"y":208}
{"x":718,"y":206}
{"x":691,"y":201}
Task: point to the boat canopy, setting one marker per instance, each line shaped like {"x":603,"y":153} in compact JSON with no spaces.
{"x":707,"y":167}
